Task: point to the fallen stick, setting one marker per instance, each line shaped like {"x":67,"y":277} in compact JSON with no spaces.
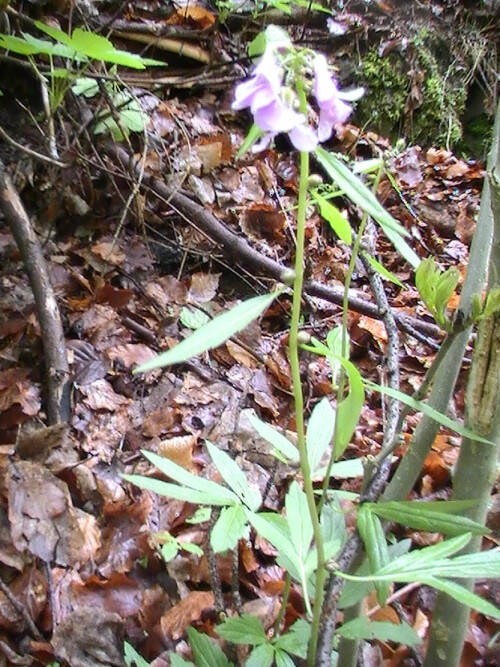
{"x":57,"y":388}
{"x":237,"y":248}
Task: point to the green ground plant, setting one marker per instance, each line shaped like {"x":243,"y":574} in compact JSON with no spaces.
{"x":310,"y":533}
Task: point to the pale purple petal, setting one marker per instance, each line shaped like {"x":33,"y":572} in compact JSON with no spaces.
{"x":303,"y":138}
{"x":351,"y":95}
{"x":263,"y":143}
{"x":269,"y":70}
{"x":276,"y":117}
{"x":325,"y":89}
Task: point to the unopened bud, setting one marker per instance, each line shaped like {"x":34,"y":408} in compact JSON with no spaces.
{"x":303,"y":338}
{"x":314,"y":180}
{"x":287,"y":276}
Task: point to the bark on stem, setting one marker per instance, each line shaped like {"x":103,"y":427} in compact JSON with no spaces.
{"x":476,"y":468}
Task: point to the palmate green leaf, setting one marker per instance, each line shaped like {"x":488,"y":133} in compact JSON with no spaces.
{"x":381,"y":270}
{"x":234,"y":477}
{"x":177,"y":661}
{"x":363,"y":628}
{"x":420,"y":406}
{"x":357,"y":192}
{"x":213,"y":334}
{"x":295,"y":641}
{"x":244,"y":629}
{"x":282,"y":659}
{"x":18,"y":45}
{"x":463,"y":595}
{"x":334,"y":217}
{"x":56,"y":33}
{"x":179,"y":492}
{"x":230,"y":527}
{"x":132,"y":657}
{"x":373,"y":537}
{"x":421,"y":516}
{"x":275,"y":438}
{"x":261,"y":656}
{"x":206,"y":652}
{"x":319,"y":432}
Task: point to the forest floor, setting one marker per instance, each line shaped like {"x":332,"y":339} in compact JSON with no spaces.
{"x":89,"y":560}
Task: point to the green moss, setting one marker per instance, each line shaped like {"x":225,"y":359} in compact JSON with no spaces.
{"x":382,"y":108}
{"x":426,"y":65}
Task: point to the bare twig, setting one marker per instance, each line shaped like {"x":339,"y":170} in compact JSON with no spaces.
{"x":56,"y":362}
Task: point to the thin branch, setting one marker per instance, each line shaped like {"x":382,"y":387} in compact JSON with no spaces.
{"x":56,"y":362}
{"x":237,"y":248}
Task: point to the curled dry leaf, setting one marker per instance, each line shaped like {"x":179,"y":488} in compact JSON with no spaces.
{"x":96,"y":638}
{"x":41,"y":515}
{"x":175,"y":621}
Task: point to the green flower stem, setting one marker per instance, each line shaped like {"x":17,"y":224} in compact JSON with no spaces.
{"x":299,"y":401}
{"x":297,"y":386}
{"x":284,"y":602}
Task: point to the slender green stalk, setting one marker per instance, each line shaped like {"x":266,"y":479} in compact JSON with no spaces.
{"x":297,"y":387}
{"x":299,"y":399}
{"x":284,"y":602}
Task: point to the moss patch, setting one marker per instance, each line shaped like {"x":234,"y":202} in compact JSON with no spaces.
{"x":419,"y":93}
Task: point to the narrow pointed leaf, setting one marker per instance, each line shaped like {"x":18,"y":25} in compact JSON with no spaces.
{"x":373,"y":537}
{"x":335,"y":219}
{"x":357,"y":192}
{"x":186,"y":478}
{"x":319,"y":432}
{"x":234,"y":477}
{"x":213,"y":334}
{"x":363,"y":628}
{"x":420,"y":406}
{"x":463,"y":595}
{"x":178,"y":492}
{"x":261,"y":656}
{"x":274,"y":438}
{"x":417,"y":515}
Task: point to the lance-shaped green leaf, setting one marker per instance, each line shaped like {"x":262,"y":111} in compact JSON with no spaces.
{"x":349,"y":409}
{"x":357,"y":192}
{"x":132,"y":657}
{"x":282,"y":659}
{"x":213,"y":334}
{"x":431,"y":517}
{"x":275,"y":438}
{"x":420,"y":406}
{"x":463,"y":595}
{"x":334,"y":217}
{"x":363,"y":628}
{"x":319,"y":432}
{"x":381,"y":270}
{"x":230,"y":527}
{"x":355,"y":591}
{"x":205,"y":487}
{"x":234,"y":477}
{"x":300,"y":528}
{"x":373,"y":537}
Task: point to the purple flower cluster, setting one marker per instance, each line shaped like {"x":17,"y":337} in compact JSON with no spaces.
{"x":263,"y":94}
